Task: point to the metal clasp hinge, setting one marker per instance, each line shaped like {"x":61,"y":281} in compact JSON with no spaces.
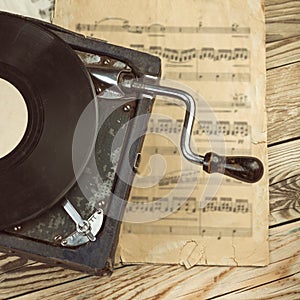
{"x":86,"y":230}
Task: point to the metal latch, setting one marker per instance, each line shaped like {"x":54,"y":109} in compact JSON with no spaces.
{"x":86,"y":230}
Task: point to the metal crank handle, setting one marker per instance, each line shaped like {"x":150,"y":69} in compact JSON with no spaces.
{"x":244,"y":168}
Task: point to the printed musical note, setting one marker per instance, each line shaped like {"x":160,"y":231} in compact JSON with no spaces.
{"x":176,"y":177}
{"x":187,"y":55}
{"x":188,"y":205}
{"x":240,"y":129}
{"x":207,"y":53}
{"x":234,"y":27}
{"x":225,"y":128}
{"x":224,"y":54}
{"x":240,"y":53}
{"x":155,"y":28}
{"x":208,"y":76}
{"x":242,"y":205}
{"x":121,"y":25}
{"x":227,"y":204}
{"x":226,"y":232}
{"x":165,"y":126}
{"x":177,"y":206}
{"x":156,"y":50}
{"x":211,"y":204}
{"x":240,"y":100}
{"x":182,"y":208}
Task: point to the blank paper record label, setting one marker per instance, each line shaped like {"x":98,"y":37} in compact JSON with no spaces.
{"x":13,"y":117}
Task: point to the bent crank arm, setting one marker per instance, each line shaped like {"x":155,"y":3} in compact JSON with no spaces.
{"x":244,"y":168}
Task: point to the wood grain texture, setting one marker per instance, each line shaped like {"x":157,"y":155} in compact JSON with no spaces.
{"x":173,"y":282}
{"x":280,"y":280}
{"x":284,"y":178}
{"x":284,"y":161}
{"x":282,"y":19}
{"x":285,"y":200}
{"x":31,"y":276}
{"x":283,"y":52}
{"x":283,"y":98}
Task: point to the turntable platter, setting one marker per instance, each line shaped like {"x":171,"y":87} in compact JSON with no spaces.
{"x":56,"y":89}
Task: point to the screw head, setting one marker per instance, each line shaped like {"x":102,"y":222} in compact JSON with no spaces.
{"x":106,"y":61}
{"x":127,"y":107}
{"x":57,"y":238}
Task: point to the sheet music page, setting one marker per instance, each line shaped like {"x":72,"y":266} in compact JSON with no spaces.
{"x":216,"y":51}
{"x":39,"y":9}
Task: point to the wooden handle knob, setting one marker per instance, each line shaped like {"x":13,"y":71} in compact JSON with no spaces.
{"x":244,"y":168}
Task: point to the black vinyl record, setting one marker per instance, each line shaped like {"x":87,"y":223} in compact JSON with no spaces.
{"x":56,"y":88}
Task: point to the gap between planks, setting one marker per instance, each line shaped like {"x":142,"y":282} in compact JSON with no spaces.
{"x":170,"y":282}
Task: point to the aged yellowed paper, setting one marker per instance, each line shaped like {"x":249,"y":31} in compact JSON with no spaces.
{"x":216,"y":51}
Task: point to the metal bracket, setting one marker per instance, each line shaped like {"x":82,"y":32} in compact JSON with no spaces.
{"x":86,"y":230}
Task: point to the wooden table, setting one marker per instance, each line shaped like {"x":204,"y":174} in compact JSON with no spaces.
{"x":21,"y":279}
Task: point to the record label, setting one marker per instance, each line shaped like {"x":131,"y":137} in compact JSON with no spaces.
{"x":13,"y":117}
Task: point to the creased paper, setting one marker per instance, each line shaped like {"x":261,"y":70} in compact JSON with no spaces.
{"x":216,"y":51}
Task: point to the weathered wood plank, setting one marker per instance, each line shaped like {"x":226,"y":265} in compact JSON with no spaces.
{"x":9,"y":262}
{"x":285,"y":200}
{"x":284,"y":178}
{"x":277,"y":11}
{"x":286,"y":288}
{"x":283,"y":98}
{"x":170,"y":282}
{"x":16,"y":279}
{"x":284,"y":161}
{"x":283,"y":52}
{"x":282,"y":19}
